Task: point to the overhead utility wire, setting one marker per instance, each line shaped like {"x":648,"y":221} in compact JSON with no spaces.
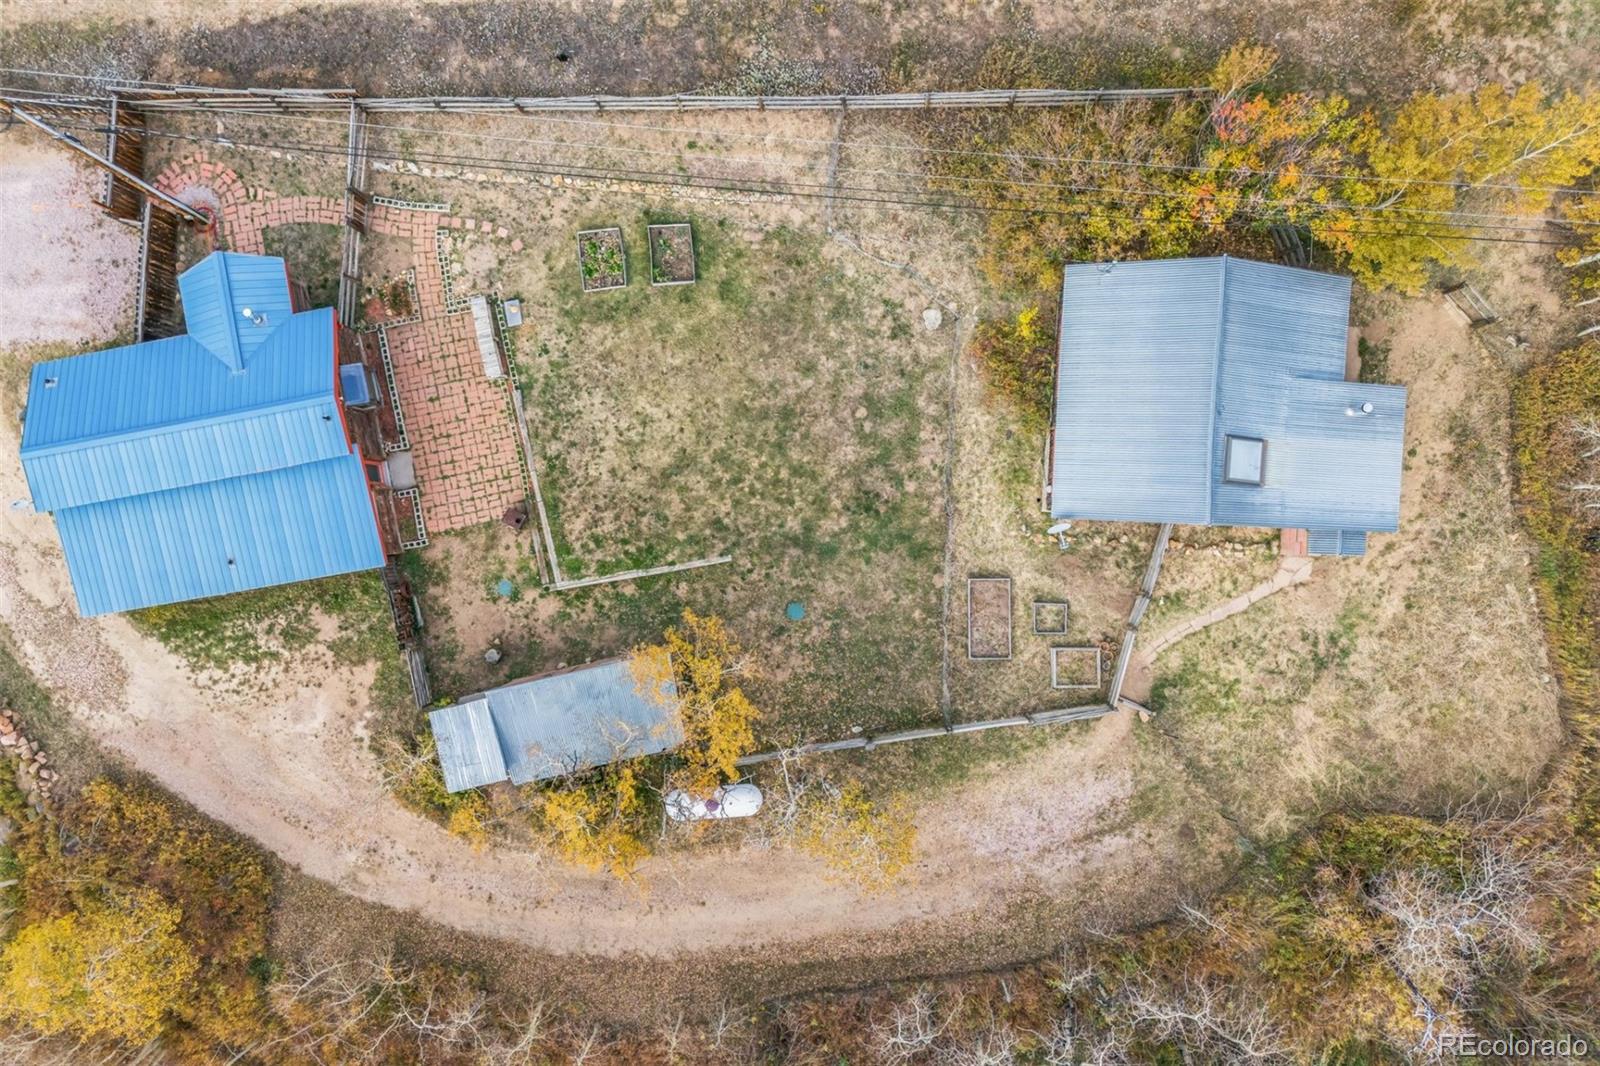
{"x":822,"y":191}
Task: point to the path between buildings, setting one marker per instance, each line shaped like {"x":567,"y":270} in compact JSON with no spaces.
{"x":1141,"y":671}
{"x":280,"y":755}
{"x":282,"y":758}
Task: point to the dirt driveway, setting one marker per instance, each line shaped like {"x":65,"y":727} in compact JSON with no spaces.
{"x":45,"y":204}
{"x":289,"y":768}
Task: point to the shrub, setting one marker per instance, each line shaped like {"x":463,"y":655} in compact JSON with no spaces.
{"x":125,"y":853}
{"x":113,"y":969}
{"x":1017,"y":358}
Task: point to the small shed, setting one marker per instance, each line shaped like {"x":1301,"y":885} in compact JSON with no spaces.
{"x":554,"y":724}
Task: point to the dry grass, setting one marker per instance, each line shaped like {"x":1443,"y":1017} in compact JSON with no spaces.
{"x":1416,"y":676}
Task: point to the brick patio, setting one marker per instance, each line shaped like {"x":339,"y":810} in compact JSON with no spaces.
{"x":462,"y":428}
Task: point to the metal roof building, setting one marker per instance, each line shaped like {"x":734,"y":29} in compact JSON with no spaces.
{"x":552,"y":725}
{"x":202,"y":464}
{"x":1213,"y":392}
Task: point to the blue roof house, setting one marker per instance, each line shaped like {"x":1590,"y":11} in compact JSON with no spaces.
{"x":207,"y":463}
{"x":1213,"y":392}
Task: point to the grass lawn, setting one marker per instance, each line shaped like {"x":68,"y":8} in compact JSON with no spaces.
{"x":784,"y":410}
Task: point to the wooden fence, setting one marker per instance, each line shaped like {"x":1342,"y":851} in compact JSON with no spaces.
{"x":878,"y":740}
{"x":285,"y":101}
{"x":1141,"y":603}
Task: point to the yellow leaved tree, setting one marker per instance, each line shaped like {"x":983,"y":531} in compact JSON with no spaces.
{"x":861,"y":842}
{"x":1493,"y":151}
{"x":594,"y":825}
{"x":695,"y":669}
{"x":114,"y":970}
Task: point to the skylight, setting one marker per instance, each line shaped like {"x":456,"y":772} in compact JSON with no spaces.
{"x":1245,"y":461}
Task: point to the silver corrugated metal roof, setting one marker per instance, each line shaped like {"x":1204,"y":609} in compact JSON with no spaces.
{"x":1162,"y":361}
{"x":552,"y":725}
{"x":469,"y":750}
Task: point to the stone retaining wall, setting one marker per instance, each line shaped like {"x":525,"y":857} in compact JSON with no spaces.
{"x":27,"y":759}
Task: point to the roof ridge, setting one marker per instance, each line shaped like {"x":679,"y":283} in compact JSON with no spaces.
{"x":215,"y":418}
{"x":1216,"y":377}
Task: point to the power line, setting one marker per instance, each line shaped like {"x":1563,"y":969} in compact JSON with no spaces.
{"x":847,"y":194}
{"x":981,"y":153}
{"x":925,"y":149}
{"x":1530,"y":226}
{"x":1422,"y":215}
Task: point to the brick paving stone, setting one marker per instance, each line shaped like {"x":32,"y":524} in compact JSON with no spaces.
{"x":464,"y":440}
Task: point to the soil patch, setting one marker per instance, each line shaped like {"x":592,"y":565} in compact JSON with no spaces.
{"x":989,"y":618}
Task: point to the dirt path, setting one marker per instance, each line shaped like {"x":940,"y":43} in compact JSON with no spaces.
{"x":289,"y":768}
{"x":1141,"y":670}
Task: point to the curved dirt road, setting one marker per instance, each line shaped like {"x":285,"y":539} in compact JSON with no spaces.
{"x":288,"y":765}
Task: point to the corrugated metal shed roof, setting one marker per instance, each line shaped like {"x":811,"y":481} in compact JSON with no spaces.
{"x":552,"y":725}
{"x":1162,"y":361}
{"x":220,"y":288}
{"x":161,"y":461}
{"x":469,"y":749}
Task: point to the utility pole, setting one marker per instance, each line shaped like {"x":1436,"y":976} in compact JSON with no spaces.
{"x":171,"y":203}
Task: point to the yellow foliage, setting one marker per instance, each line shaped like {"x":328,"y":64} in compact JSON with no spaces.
{"x":593,"y":826}
{"x":115,"y":970}
{"x":1241,"y":66}
{"x":1491,"y":150}
{"x":1583,"y":214}
{"x":470,"y":820}
{"x":699,"y":657}
{"x":859,"y":841}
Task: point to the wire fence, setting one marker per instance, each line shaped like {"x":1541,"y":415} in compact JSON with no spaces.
{"x":272,"y":101}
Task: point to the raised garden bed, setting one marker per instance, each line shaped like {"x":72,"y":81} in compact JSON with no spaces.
{"x":1049,"y":618}
{"x":1075,"y":667}
{"x":602,"y":261}
{"x":390,"y":301}
{"x":988,"y":618}
{"x":671,"y":254}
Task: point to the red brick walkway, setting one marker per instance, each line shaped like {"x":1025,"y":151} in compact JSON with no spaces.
{"x":462,"y":427}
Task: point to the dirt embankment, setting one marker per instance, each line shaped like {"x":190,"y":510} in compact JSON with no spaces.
{"x":1375,"y":48}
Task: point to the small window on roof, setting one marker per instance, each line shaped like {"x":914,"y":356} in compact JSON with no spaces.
{"x":1245,"y":461}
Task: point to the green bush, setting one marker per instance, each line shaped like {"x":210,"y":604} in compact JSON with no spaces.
{"x":1018,"y":359}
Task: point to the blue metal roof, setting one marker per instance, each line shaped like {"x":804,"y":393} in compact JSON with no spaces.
{"x":219,"y":290}
{"x":293,"y":524}
{"x":1162,"y":361}
{"x":150,"y":455}
{"x":548,"y":726}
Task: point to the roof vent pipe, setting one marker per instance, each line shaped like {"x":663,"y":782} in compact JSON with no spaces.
{"x":1359,"y":412}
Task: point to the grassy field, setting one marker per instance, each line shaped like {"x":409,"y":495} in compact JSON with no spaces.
{"x":783,"y":410}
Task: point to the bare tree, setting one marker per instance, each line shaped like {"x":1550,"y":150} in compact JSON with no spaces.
{"x":911,"y":1029}
{"x":1585,"y":434}
{"x":994,"y":1045}
{"x":1201,"y":1017}
{"x":1449,"y":926}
